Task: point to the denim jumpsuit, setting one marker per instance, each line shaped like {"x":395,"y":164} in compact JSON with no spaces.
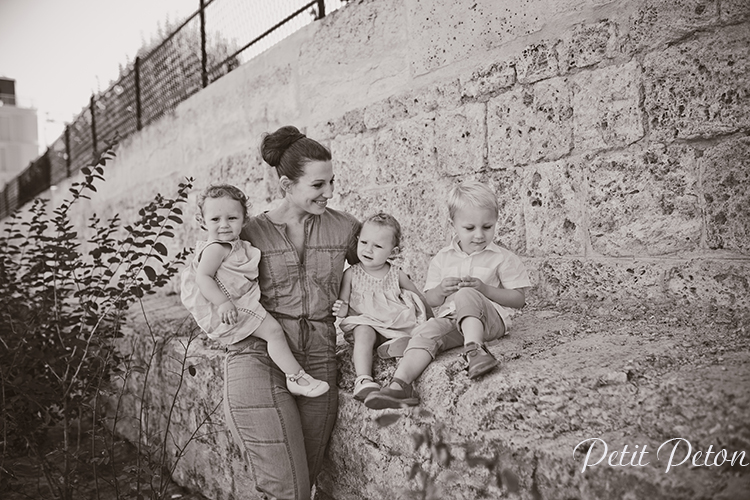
{"x":283,"y":436}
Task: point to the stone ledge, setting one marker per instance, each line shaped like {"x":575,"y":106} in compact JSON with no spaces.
{"x":625,"y":374}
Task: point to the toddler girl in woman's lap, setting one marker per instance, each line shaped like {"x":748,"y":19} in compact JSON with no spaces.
{"x":220,"y":288}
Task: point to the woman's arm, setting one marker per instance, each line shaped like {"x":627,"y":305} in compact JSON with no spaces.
{"x":405,"y":283}
{"x":341,"y":306}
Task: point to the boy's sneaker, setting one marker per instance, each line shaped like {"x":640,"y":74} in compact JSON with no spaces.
{"x":303,"y":384}
{"x":393,"y":348}
{"x":479,"y":360}
{"x":364,"y":385}
{"x":393,"y":398}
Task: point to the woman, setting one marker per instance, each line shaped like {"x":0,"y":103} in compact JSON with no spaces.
{"x":303,"y":244}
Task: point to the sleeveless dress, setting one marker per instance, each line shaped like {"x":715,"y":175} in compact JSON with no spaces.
{"x":382,"y":304}
{"x":237,"y":277}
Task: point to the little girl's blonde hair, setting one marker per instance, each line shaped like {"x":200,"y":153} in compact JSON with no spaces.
{"x":221,"y":191}
{"x":386,"y":220}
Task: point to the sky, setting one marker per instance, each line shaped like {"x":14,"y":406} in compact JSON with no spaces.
{"x":60,"y":52}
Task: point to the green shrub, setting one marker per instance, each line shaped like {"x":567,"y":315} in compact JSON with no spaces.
{"x":63,"y":298}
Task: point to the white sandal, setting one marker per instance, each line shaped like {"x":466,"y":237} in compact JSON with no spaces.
{"x":364,"y":385}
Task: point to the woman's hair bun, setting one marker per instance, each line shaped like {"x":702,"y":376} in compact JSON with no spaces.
{"x":273,"y":145}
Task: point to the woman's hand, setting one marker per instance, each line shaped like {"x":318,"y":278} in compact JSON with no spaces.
{"x":228,"y":313}
{"x":341,"y":308}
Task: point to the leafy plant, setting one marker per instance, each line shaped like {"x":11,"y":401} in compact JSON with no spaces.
{"x":63,"y":305}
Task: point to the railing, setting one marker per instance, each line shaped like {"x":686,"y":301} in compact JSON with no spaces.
{"x":214,"y":40}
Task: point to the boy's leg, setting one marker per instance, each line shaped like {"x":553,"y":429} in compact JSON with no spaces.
{"x":479,"y":321}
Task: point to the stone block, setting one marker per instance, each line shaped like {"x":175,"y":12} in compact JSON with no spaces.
{"x":734,"y":11}
{"x":699,"y":88}
{"x":658,"y":23}
{"x":553,"y":208}
{"x":461,"y":139}
{"x":488,"y":80}
{"x":606,"y":107}
{"x":441,"y":96}
{"x":723,"y":282}
{"x":644,"y":202}
{"x":447,"y":32}
{"x":586,"y":45}
{"x":726,"y":193}
{"x":530,"y":124}
{"x":508,"y":185}
{"x":593,"y":281}
{"x":354,"y":163}
{"x":537,"y":62}
{"x":405,"y":151}
{"x":340,"y":56}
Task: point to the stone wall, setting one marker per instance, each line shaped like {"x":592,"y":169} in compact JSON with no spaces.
{"x":616,"y":134}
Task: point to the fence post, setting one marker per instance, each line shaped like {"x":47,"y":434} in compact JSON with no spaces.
{"x":67,"y":151}
{"x":204,"y":59}
{"x":321,"y":9}
{"x":138,"y":124}
{"x":93,"y":126}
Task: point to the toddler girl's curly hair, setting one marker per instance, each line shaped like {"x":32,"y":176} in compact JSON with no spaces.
{"x":221,"y":191}
{"x":386,"y":220}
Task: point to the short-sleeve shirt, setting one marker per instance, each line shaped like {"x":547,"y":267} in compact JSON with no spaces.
{"x":307,"y":288}
{"x":495,"y":266}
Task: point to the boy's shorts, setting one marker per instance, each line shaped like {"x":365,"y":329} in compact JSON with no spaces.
{"x":441,"y":334}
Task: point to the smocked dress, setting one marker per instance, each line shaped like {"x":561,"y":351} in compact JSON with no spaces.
{"x":382,"y":304}
{"x":237,"y":277}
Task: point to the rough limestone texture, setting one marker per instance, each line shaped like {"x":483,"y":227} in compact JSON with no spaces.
{"x":616,"y":135}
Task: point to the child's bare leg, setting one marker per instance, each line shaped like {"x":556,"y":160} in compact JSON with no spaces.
{"x":278,"y":349}
{"x":411,"y":366}
{"x":298,"y":382}
{"x":364,"y":342}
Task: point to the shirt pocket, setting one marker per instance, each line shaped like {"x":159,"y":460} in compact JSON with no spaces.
{"x":275,"y":276}
{"x":325,"y":267}
{"x":486,"y":274}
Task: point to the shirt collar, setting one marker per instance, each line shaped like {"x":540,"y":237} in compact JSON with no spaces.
{"x":491,"y":247}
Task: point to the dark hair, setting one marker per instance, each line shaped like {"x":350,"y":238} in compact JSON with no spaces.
{"x":289,"y":150}
{"x":386,"y":220}
{"x":221,"y":191}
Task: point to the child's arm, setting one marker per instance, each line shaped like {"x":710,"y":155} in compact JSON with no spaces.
{"x":341,"y":306}
{"x":211,"y":258}
{"x":436,"y":296}
{"x":508,"y":297}
{"x":406,"y":284}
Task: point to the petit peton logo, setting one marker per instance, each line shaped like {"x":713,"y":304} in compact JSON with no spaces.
{"x":674,"y":452}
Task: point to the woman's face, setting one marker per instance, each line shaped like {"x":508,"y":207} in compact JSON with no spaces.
{"x":313,"y":189}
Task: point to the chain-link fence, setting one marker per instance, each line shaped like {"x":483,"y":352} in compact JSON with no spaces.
{"x":218,"y":37}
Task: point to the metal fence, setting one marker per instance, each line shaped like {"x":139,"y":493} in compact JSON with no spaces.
{"x":218,"y":37}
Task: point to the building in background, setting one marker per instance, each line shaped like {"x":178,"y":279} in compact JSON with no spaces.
{"x":19,"y":136}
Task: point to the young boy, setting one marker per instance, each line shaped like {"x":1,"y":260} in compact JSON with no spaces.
{"x":475,"y":283}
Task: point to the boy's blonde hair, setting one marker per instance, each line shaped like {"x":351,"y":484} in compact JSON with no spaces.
{"x":471,"y":194}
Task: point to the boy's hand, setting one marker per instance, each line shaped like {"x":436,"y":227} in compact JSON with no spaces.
{"x":449,"y":286}
{"x":340,"y":308}
{"x":469,"y":282}
{"x":228,"y":313}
